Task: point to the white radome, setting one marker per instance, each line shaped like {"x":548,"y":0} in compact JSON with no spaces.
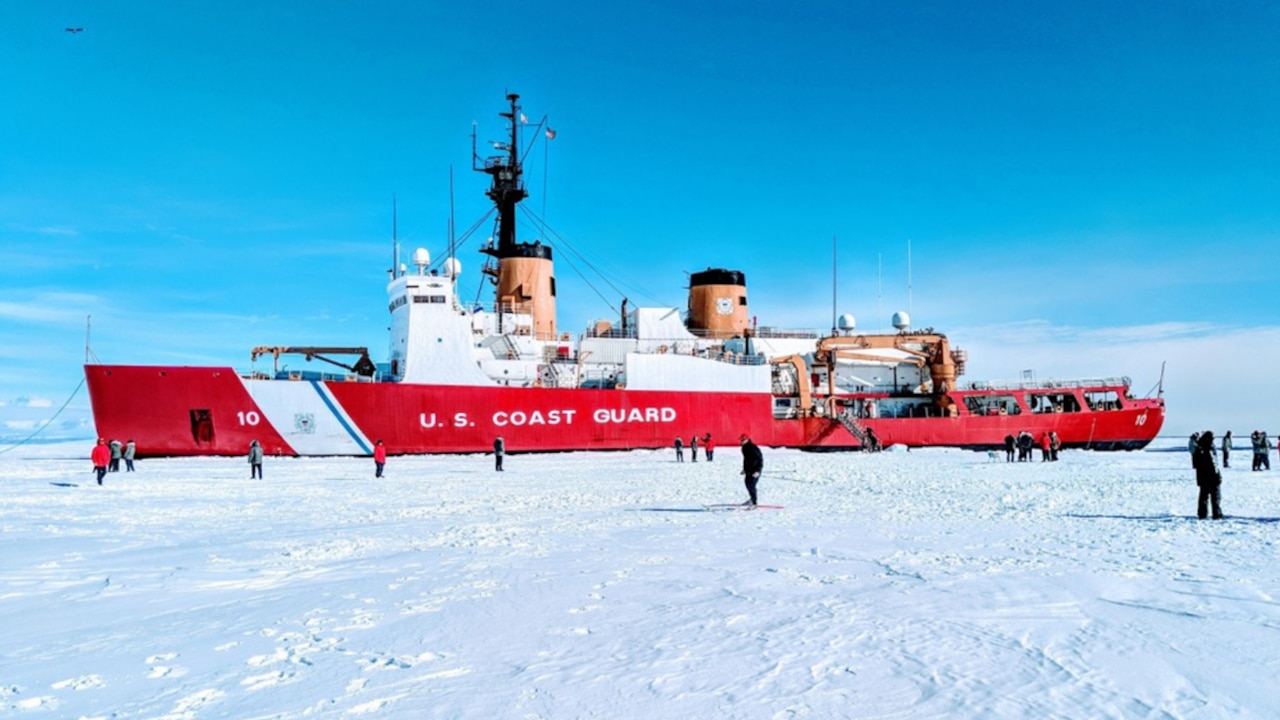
{"x":452,"y":268}
{"x":846,"y":322}
{"x":421,"y":258}
{"x":901,"y":320}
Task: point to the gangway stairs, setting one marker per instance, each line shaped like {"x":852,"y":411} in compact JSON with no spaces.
{"x":855,"y":428}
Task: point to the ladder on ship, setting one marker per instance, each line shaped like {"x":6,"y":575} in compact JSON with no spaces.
{"x":855,"y":428}
{"x":551,"y":375}
{"x":512,"y":352}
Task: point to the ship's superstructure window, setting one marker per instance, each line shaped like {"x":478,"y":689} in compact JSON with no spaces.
{"x":1053,"y":402}
{"x":402,"y":300}
{"x":433,"y":299}
{"x":992,"y":405}
{"x":1103,"y":400}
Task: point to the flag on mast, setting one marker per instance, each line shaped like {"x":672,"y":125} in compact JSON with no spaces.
{"x":551,"y":134}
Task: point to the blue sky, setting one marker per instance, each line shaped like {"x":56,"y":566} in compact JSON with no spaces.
{"x":1088,"y":188}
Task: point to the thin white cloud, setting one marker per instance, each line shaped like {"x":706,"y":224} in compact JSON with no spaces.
{"x":63,"y":231}
{"x":52,"y":308}
{"x":34,"y":402}
{"x":35,"y":313}
{"x":1039,"y":331}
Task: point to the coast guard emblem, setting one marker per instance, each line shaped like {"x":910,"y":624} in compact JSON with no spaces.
{"x":304,"y":423}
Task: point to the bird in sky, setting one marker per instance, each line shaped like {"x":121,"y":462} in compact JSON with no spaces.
{"x":75,"y":30}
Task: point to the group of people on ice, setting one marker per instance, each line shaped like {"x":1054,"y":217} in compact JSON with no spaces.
{"x":1259,"y":442}
{"x":707,"y":444}
{"x":1204,"y":459}
{"x":752,"y":459}
{"x":1025,"y":443}
{"x":106,"y":456}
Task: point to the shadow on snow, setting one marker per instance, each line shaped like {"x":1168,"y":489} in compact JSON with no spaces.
{"x":1169,"y":517}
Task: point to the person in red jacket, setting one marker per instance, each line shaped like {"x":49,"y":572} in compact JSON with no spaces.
{"x":100,"y":456}
{"x":709,"y":446}
{"x":379,"y":458}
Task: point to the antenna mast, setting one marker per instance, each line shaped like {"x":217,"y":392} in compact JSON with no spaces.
{"x":452,"y":244}
{"x":507,"y":187}
{"x":833,"y":284}
{"x":395,"y":240}
{"x":908,"y":276}
{"x":879,"y":292}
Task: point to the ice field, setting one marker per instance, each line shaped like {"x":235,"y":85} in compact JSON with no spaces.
{"x":924,"y":584}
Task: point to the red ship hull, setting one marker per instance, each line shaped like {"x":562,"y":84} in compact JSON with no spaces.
{"x":174,"y":411}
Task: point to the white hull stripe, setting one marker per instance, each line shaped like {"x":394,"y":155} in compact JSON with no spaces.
{"x":341,"y":416}
{"x":305,"y":416}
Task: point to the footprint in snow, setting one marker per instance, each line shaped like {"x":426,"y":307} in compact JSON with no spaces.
{"x":84,"y":682}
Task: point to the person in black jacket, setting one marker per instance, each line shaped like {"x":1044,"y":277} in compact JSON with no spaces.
{"x":752,"y":465}
{"x":1009,"y":442}
{"x":1205,"y":461}
{"x":499,"y":449}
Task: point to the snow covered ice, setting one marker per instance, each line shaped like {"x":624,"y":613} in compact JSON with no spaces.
{"x":929,"y":584}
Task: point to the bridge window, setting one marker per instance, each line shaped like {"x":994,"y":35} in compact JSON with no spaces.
{"x":992,"y":405}
{"x":1103,"y":400}
{"x":1053,"y":402}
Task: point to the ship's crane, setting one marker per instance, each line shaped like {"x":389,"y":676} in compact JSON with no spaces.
{"x":924,"y":348}
{"x":363,"y":365}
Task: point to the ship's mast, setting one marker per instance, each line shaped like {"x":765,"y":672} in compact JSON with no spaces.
{"x":508,"y":186}
{"x":524,"y":276}
{"x":395,"y":240}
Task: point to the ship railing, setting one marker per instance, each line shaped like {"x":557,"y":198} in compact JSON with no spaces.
{"x":615,"y":333}
{"x":1050,"y":384}
{"x":787,"y":333}
{"x":733,"y":358}
{"x":687,"y":347}
{"x":629,"y":333}
{"x":285,"y":373}
{"x":761,"y":332}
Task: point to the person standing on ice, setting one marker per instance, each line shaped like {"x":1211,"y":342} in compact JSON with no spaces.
{"x":379,"y":458}
{"x":499,"y":449}
{"x":1226,"y":450}
{"x":1009,"y":442}
{"x":1025,"y":443}
{"x":679,"y":449}
{"x":752,"y":466}
{"x":1046,"y":447}
{"x":100,"y":456}
{"x":709,"y":446}
{"x":130,"y":451}
{"x":693,"y":447}
{"x":1208,"y":477}
{"x":115,"y":446}
{"x":255,"y":460}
